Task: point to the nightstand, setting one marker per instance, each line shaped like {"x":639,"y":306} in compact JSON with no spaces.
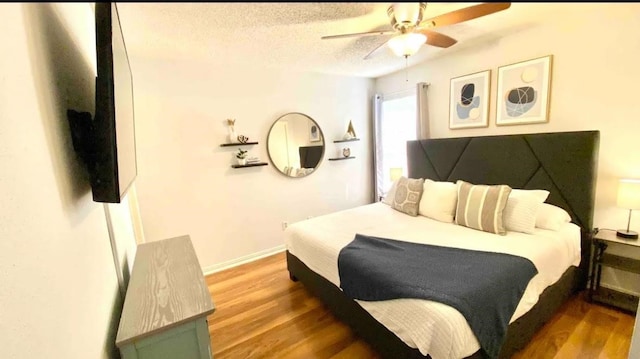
{"x":599,"y":244}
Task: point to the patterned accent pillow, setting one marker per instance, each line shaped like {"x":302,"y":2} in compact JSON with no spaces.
{"x":481,"y":206}
{"x":408,"y":194}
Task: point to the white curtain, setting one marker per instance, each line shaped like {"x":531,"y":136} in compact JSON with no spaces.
{"x":377,"y":147}
{"x":422,"y":123}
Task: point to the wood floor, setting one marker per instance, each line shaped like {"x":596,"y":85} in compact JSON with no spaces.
{"x":261,"y":313}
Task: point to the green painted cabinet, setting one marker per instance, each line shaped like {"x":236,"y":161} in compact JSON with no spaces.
{"x":166,"y":305}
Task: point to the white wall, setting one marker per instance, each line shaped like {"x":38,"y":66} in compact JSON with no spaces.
{"x":119,"y":218}
{"x":594,"y":86}
{"x":59,"y":295}
{"x":186,"y":184}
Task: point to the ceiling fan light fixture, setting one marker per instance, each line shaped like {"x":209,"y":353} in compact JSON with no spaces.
{"x":407,"y":44}
{"x":407,"y":13}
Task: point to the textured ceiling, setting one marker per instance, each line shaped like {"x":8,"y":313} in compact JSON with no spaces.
{"x":287,"y":35}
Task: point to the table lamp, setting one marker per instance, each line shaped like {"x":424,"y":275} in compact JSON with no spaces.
{"x":629,"y":198}
{"x":395,"y":173}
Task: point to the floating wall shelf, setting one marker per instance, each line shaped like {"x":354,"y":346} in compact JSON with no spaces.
{"x":351,"y":140}
{"x":250,"y":165}
{"x":238,"y":144}
{"x":341,"y":158}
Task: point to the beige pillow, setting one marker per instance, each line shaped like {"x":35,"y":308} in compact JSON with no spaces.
{"x":480,"y":206}
{"x":438,"y":200}
{"x":407,"y":195}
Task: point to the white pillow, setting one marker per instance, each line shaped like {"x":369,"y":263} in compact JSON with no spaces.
{"x":439,"y":200}
{"x":551,"y":217}
{"x":521,"y":210}
{"x":541,"y":194}
{"x":391,"y":193}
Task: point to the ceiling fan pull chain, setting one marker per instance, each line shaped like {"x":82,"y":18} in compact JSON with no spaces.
{"x":406,"y":67}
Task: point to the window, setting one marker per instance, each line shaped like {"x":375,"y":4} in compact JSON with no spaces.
{"x":395,"y":124}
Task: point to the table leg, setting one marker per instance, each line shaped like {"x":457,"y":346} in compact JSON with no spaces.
{"x":592,"y":268}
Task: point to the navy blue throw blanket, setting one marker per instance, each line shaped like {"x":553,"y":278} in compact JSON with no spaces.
{"x":484,"y":286}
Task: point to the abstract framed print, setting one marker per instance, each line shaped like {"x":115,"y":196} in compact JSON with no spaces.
{"x":469,"y":100}
{"x":524,"y":91}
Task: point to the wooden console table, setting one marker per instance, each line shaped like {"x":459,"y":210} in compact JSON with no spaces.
{"x":167,"y":303}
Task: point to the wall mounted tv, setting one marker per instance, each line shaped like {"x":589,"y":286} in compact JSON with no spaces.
{"x":107,"y":143}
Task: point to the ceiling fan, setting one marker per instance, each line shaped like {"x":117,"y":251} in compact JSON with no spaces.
{"x":412,"y":31}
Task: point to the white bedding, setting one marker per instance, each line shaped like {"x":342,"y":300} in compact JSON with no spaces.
{"x":433,"y":328}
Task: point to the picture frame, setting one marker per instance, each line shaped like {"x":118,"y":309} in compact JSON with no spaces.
{"x":524,"y":92}
{"x":469,"y":100}
{"x":314,"y":133}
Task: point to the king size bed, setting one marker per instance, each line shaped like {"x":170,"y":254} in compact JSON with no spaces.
{"x":562,"y":164}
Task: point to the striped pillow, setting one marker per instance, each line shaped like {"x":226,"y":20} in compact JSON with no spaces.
{"x":481,"y":206}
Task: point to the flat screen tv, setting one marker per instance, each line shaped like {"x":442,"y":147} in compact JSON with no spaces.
{"x":107,"y":142}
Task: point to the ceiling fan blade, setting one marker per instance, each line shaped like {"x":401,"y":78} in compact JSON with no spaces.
{"x":370,"y":54}
{"x":437,"y":39}
{"x":367,"y":33}
{"x":465,"y":14}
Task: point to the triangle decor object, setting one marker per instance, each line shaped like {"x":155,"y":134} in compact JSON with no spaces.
{"x":351,"y":131}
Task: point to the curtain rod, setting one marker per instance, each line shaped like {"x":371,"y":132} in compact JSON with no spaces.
{"x":402,"y":91}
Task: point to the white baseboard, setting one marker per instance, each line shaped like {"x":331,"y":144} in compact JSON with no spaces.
{"x":242,"y":260}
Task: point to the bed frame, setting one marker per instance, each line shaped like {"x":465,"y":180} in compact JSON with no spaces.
{"x":564,"y":163}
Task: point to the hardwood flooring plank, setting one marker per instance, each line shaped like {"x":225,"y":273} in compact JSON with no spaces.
{"x":324,"y":341}
{"x":278,"y":293}
{"x":255,"y":323}
{"x":278,"y":341}
{"x":554,"y":334}
{"x":261,"y":313}
{"x":619,"y":342}
{"x":357,"y":349}
{"x":247,"y":268}
{"x":589,"y":336}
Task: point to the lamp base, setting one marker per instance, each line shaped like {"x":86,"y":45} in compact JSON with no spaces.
{"x":627,"y":234}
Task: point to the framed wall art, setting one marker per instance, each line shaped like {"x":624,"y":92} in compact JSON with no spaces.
{"x":469,"y":100}
{"x":524,"y":91}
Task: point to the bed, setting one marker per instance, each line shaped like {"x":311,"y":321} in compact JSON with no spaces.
{"x":563,"y":163}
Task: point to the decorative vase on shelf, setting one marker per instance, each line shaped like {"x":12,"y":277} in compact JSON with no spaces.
{"x":346,"y":152}
{"x":233,"y":138}
{"x":242,"y":161}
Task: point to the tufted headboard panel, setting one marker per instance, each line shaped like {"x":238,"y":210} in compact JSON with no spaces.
{"x":564,"y":163}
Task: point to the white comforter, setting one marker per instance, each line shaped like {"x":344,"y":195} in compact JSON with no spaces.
{"x":433,"y":328}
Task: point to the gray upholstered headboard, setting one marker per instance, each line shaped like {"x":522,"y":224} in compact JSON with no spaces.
{"x":564,"y":163}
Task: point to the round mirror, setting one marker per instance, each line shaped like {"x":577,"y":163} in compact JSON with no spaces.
{"x":295,"y":144}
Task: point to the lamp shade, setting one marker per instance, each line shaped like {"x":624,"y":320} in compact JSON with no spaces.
{"x":629,"y":193}
{"x":395,"y":173}
{"x":406,"y":44}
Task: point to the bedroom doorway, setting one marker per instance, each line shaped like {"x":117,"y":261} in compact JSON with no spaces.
{"x":394,"y":125}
